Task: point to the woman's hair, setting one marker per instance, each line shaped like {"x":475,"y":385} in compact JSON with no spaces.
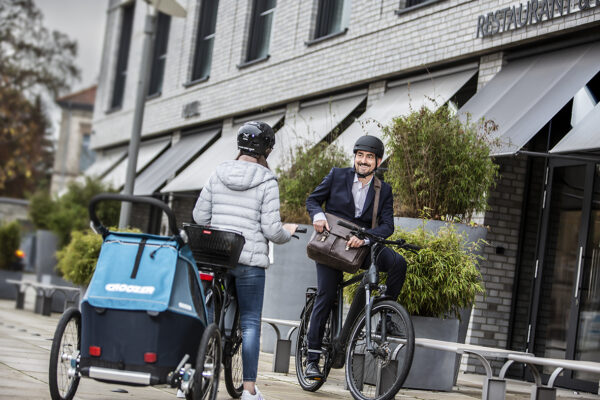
{"x":260,"y":160}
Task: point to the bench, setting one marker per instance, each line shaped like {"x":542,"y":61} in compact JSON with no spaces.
{"x":283,"y":347}
{"x":44,"y":294}
{"x":548,"y":392}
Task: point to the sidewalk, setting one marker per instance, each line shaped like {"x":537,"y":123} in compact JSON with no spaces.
{"x":25,"y":340}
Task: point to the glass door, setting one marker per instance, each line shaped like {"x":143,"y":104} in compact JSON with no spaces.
{"x":565,"y":317}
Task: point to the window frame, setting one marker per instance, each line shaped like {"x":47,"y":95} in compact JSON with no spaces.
{"x":121,"y":64}
{"x":160,"y":50}
{"x":205,"y":32}
{"x":322,"y":32}
{"x":255,"y":51}
{"x":409,"y":8}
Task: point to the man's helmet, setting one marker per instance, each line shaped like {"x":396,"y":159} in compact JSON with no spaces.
{"x":371,"y":144}
{"x":255,"y":138}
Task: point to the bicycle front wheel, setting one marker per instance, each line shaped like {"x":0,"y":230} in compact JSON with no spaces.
{"x":232,"y":359}
{"x":378,"y":373}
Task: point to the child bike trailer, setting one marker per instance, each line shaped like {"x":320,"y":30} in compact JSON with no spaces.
{"x":142,"y":321}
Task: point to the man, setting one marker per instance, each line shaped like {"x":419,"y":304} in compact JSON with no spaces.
{"x":349,"y":193}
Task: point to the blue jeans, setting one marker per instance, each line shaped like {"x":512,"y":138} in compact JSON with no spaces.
{"x":250,"y":288}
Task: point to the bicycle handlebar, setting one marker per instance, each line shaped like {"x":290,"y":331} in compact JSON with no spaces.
{"x":301,"y":229}
{"x":362,"y":233}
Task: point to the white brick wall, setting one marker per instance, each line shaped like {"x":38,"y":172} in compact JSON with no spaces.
{"x":378,"y":44}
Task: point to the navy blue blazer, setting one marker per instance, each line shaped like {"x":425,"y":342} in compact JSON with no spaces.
{"x":336,"y":192}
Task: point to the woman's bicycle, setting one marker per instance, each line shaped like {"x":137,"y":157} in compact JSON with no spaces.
{"x":215,"y":252}
{"x":375,"y":342}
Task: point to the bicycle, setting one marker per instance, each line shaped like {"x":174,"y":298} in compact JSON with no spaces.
{"x":388,"y":346}
{"x":215,"y":252}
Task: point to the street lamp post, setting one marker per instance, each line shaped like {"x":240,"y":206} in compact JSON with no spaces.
{"x":170,"y":7}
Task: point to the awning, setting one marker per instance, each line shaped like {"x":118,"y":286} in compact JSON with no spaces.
{"x":195,"y":176}
{"x":584,"y":136}
{"x":171,"y":161}
{"x":528,"y":92}
{"x":148,"y":152}
{"x":314,"y":121}
{"x":105,"y":162}
{"x":404,"y":96}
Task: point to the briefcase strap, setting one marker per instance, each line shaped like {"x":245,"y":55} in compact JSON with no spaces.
{"x":377,"y":186}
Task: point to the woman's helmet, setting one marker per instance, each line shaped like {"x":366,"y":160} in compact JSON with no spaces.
{"x":255,"y":138}
{"x":371,"y":144}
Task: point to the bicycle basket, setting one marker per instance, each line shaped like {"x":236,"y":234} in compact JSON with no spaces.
{"x":213,"y":247}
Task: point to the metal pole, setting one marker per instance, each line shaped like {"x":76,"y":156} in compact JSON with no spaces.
{"x":138,"y":115}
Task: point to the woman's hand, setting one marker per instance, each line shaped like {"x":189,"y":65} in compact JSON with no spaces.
{"x":291,"y":228}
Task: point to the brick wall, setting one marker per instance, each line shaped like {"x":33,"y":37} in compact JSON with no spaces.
{"x":491,"y":314}
{"x":378,"y":44}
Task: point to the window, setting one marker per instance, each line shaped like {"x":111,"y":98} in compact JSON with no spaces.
{"x":406,"y":4}
{"x":87,"y":155}
{"x":159,"y":54}
{"x":122,"y":56}
{"x":205,"y":39}
{"x":330,"y":18}
{"x":260,"y":30}
{"x":411,"y":3}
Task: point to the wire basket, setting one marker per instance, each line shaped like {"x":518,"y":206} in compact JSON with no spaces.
{"x":213,"y":247}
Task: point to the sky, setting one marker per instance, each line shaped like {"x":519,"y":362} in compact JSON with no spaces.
{"x":83,"y":21}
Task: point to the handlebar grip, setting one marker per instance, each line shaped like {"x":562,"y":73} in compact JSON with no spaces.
{"x":301,"y":229}
{"x":347,"y":225}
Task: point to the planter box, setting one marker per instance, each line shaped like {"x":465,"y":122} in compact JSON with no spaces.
{"x":433,"y":369}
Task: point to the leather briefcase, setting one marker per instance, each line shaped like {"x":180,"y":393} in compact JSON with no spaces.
{"x":329,"y":247}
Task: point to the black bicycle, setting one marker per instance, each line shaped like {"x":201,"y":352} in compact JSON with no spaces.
{"x":215,"y":252}
{"x":376,"y":342}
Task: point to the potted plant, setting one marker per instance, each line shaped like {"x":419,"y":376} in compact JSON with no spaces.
{"x":439,"y":166}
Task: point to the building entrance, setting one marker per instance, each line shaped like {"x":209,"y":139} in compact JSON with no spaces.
{"x":565,"y":313}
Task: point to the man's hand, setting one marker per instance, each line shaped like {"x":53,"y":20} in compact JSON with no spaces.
{"x":355,"y":242}
{"x":320,"y":225}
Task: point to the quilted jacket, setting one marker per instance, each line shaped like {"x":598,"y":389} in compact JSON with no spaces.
{"x":244,"y":196}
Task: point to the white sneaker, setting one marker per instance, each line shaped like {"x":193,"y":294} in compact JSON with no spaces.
{"x":180,"y":394}
{"x":247,"y":396}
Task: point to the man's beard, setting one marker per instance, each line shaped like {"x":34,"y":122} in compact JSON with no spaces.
{"x":360,"y":175}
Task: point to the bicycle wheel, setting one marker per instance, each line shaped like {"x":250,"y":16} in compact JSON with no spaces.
{"x":380,"y":373}
{"x":311,"y":385}
{"x":232,"y":359}
{"x":208,"y":364}
{"x":66,"y":345}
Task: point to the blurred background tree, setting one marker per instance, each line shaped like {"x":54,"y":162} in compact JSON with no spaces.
{"x":33,"y":61}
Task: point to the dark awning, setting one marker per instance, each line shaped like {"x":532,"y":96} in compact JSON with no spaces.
{"x":171,"y":161}
{"x":528,"y":92}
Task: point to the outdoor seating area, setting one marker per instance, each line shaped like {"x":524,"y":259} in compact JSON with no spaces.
{"x":45,"y":293}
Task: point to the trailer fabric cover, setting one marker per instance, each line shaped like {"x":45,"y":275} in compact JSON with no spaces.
{"x":134,"y":272}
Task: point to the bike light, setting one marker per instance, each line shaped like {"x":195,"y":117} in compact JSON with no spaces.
{"x":206,"y":277}
{"x":20,"y":253}
{"x":95,"y":351}
{"x":207,"y":232}
{"x":150,"y":357}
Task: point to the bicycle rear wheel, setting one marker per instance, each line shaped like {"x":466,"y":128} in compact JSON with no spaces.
{"x":379,"y":374}
{"x":311,"y":385}
{"x":66,"y":345}
{"x":232,"y":359}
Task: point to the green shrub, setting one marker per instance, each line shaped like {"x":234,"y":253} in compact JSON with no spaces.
{"x":443,"y":277}
{"x":439,"y":163}
{"x":10,"y":239}
{"x":77,"y":260}
{"x":70,"y":212}
{"x":302,"y":173}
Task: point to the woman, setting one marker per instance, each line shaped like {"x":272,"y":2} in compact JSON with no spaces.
{"x":243,"y":195}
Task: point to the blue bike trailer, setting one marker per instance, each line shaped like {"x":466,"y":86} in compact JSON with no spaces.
{"x":144,"y":309}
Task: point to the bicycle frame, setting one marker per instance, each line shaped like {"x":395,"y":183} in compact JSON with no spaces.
{"x":369,"y":281}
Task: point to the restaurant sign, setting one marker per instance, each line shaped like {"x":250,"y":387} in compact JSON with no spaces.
{"x":530,"y":13}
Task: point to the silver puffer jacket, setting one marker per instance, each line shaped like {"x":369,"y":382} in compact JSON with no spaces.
{"x":244,"y":196}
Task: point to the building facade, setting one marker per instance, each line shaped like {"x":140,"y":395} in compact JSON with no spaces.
{"x":316,"y":69}
{"x":73,"y":152}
